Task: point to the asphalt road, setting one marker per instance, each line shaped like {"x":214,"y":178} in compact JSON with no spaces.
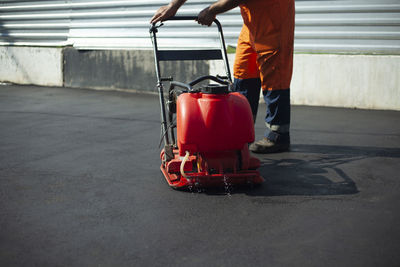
{"x":80,"y":185}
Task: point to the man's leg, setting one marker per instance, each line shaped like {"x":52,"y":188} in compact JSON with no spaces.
{"x":246,"y":72}
{"x":277,"y":98}
{"x":250,"y":88}
{"x":277,"y":120}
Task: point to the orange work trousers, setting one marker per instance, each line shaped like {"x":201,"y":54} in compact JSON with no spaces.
{"x":265,"y":44}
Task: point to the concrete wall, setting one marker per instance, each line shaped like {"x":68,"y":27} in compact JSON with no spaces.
{"x":123,"y":69}
{"x":360,"y":81}
{"x":31,"y":65}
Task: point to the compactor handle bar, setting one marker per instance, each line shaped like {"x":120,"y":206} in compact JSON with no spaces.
{"x":198,"y":54}
{"x":195,"y":18}
{"x":191,"y":18}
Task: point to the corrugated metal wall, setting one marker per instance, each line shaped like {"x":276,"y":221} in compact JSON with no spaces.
{"x":368,"y":26}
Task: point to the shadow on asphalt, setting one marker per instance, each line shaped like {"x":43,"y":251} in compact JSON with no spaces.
{"x":309,"y":170}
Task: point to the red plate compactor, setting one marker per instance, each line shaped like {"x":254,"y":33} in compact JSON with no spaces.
{"x":213,"y":125}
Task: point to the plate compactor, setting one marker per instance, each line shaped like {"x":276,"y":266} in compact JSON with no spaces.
{"x":213,"y":125}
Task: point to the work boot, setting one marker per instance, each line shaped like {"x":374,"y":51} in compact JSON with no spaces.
{"x":265,"y":146}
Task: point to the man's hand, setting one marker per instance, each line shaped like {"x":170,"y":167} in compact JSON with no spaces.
{"x":206,"y":17}
{"x":164,"y":13}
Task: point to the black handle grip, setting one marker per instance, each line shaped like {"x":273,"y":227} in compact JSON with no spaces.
{"x":182,"y":18}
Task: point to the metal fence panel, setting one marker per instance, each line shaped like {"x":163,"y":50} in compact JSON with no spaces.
{"x":361,"y":26}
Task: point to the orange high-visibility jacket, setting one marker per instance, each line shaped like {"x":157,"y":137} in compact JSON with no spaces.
{"x":265,"y":45}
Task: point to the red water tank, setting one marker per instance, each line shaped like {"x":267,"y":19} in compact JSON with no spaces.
{"x":213,"y":122}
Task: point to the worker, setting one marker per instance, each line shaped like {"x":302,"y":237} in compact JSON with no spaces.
{"x":264,"y":59}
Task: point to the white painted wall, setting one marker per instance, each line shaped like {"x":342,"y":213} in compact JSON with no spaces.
{"x":351,"y":81}
{"x":360,"y":81}
{"x":31,"y":65}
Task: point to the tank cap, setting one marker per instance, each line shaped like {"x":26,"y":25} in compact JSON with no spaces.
{"x":214,"y":89}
